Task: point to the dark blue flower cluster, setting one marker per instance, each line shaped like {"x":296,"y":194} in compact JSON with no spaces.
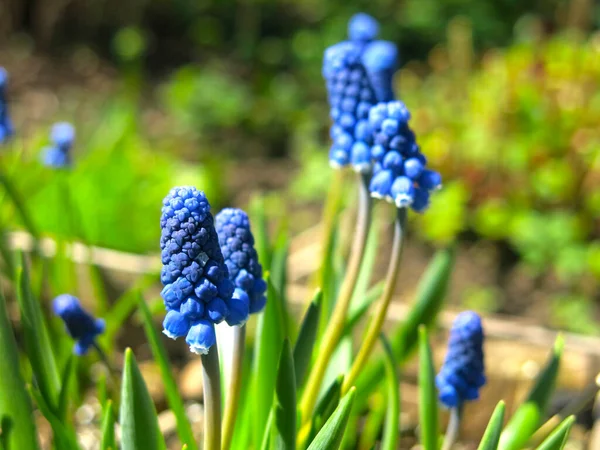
{"x":197,"y":290}
{"x":6,"y":127}
{"x":237,"y":244}
{"x":58,"y":155}
{"x":358,"y":74}
{"x":80,"y":325}
{"x":462,"y":374}
{"x":399,"y":170}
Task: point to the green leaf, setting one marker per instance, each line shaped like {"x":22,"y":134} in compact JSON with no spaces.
{"x":326,"y":406}
{"x":269,"y":338}
{"x":260,"y":230}
{"x":558,"y":438}
{"x":428,"y":303}
{"x":303,"y":348}
{"x":392,"y":419}
{"x":108,"y":428}
{"x":278,"y":273}
{"x":527,"y":418}
{"x":19,"y":205}
{"x":491,"y":437}
{"x":283,"y":430}
{"x":64,"y":437}
{"x":37,"y":342}
{"x":330,"y":436}
{"x":172,"y":393}
{"x":428,"y":409}
{"x":355,"y":315}
{"x":16,"y":415}
{"x":7,"y":256}
{"x":139,"y":423}
{"x":63,"y":398}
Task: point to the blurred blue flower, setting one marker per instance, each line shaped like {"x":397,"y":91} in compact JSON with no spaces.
{"x":197,"y":291}
{"x":58,"y":155}
{"x":80,"y":325}
{"x":237,"y":244}
{"x":358,"y":74}
{"x":399,"y":170}
{"x":6,"y":127}
{"x":462,"y":374}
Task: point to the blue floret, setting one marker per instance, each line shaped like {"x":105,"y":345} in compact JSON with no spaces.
{"x":6,"y":126}
{"x":197,"y":291}
{"x":462,"y":374}
{"x":80,"y":325}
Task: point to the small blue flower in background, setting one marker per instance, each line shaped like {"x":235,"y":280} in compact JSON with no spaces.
{"x":237,"y":244}
{"x":6,"y":127}
{"x":462,"y":374}
{"x":358,"y":74}
{"x":58,"y":155}
{"x":197,"y":291}
{"x":80,"y":325}
{"x":399,"y":170}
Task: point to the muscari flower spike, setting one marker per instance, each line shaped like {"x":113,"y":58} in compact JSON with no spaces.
{"x":197,"y":291}
{"x":400,"y":174}
{"x":358,"y":74}
{"x":58,"y":155}
{"x":237,"y":244}
{"x":6,"y":126}
{"x":462,"y":374}
{"x":80,"y":325}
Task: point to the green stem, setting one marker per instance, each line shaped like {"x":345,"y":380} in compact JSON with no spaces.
{"x":453,"y":427}
{"x":335,"y":328}
{"x":376,"y":323}
{"x":235,"y":385}
{"x":212,"y":399}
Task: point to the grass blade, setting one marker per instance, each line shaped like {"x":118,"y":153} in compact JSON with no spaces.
{"x":528,"y":416}
{"x":17,"y":423}
{"x":63,"y":398}
{"x":283,"y":430}
{"x":330,"y":436}
{"x":37,"y":342}
{"x":392,"y":419}
{"x":19,"y":205}
{"x":64,"y":438}
{"x":139,"y":423}
{"x":307,"y":336}
{"x":324,"y":409}
{"x":428,"y":409}
{"x":108,"y":441}
{"x":491,"y":437}
{"x":269,"y":338}
{"x":170,"y":384}
{"x":558,"y":438}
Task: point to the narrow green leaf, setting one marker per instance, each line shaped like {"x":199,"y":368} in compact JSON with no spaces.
{"x":17,"y":422}
{"x":355,"y":316}
{"x":330,"y":436}
{"x":283,"y":430}
{"x":326,"y":406}
{"x":392,"y":419}
{"x":37,"y":342}
{"x":373,"y":422}
{"x":139,"y":423}
{"x":527,"y":418}
{"x":269,"y":338}
{"x":303,"y":348}
{"x":19,"y":205}
{"x":172,"y":393}
{"x":260,"y":230}
{"x":108,"y":428}
{"x":63,"y":398}
{"x":266,"y":439}
{"x":64,"y":437}
{"x":278,"y":273}
{"x":491,"y":437}
{"x":7,"y":256}
{"x":428,"y":409}
{"x":558,"y":438}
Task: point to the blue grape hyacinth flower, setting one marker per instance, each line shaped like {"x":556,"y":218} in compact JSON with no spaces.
{"x":197,"y":291}
{"x":237,"y":244}
{"x":400,"y":173}
{"x":6,"y":126}
{"x":358,"y":74}
{"x":80,"y":325}
{"x":462,"y":374}
{"x":58,"y":154}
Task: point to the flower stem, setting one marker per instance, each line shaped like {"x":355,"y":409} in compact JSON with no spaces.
{"x":212,"y":399}
{"x":335,"y":329}
{"x":376,"y":323}
{"x":235,"y":384}
{"x":453,"y":427}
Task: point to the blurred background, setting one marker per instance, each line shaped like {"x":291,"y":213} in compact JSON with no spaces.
{"x":228,"y":95}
